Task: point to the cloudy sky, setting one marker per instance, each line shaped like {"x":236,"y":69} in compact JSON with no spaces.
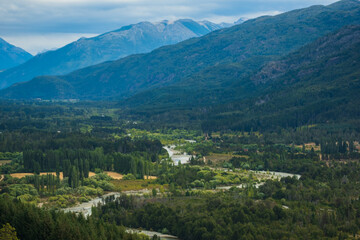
{"x":38,"y":25}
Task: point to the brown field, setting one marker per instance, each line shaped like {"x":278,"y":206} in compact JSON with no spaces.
{"x":21,"y":175}
{"x":118,"y":176}
{"x":3,"y":162}
{"x":53,"y":173}
{"x":357,"y":145}
{"x":308,"y":146}
{"x":114,"y":175}
{"x":150,"y":177}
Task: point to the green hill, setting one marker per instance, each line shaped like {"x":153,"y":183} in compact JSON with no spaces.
{"x":317,"y":84}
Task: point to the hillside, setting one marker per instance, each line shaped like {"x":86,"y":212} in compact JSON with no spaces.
{"x":11,"y":56}
{"x":136,"y":38}
{"x":247,"y":46}
{"x":317,"y":84}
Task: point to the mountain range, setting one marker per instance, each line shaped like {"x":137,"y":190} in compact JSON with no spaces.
{"x":11,"y":56}
{"x":206,"y":70}
{"x":142,"y":37}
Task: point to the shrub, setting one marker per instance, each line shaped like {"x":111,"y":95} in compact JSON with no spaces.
{"x":129,"y":177}
{"x":63,"y":191}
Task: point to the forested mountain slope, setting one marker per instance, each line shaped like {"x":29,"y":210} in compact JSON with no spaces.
{"x":236,"y":51}
{"x":319,"y":83}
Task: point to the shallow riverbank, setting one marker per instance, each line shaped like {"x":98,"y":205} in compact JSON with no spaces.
{"x":85,"y":208}
{"x":151,"y":234}
{"x":176,"y":156}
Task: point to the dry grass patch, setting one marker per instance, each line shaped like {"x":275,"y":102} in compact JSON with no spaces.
{"x":114,"y":175}
{"x":357,"y":145}
{"x":150,"y":177}
{"x":308,"y":146}
{"x":21,"y":175}
{"x":53,"y":173}
{"x":118,"y":176}
{"x":3,"y":162}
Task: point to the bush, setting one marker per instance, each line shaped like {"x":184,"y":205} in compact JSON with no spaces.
{"x":99,"y":182}
{"x":84,"y":190}
{"x":129,"y":177}
{"x":22,"y":189}
{"x":63,"y":191}
{"x":197,"y":183}
{"x":106,"y":186}
{"x":27,"y":198}
{"x":102,"y":176}
{"x":83,"y":199}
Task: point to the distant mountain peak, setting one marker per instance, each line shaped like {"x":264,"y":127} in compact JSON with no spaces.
{"x":208,"y":65}
{"x":141,"y":37}
{"x":11,"y":55}
{"x":241,"y":20}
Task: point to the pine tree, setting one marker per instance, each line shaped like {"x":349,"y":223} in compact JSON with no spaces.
{"x":36,"y":167}
{"x":351,"y":147}
{"x":37,"y":182}
{"x":86,"y":168}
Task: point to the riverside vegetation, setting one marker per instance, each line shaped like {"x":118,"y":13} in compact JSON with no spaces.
{"x":189,"y":201}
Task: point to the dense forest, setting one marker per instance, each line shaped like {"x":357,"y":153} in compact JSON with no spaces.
{"x":324,"y":203}
{"x":31,"y":222}
{"x":226,"y":191}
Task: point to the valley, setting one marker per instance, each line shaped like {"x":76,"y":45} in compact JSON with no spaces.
{"x":129,"y":161}
{"x":186,"y":129}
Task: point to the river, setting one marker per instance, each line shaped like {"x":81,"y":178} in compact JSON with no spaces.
{"x":264,"y":175}
{"x":176,"y":156}
{"x":151,"y":234}
{"x":85,"y":209}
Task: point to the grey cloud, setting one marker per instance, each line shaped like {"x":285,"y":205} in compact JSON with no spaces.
{"x":91,"y":15}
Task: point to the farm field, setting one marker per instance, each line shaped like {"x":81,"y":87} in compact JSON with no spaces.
{"x":114,"y":175}
{"x":309,"y":146}
{"x":22,"y":175}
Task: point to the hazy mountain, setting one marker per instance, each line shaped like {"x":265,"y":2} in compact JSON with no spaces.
{"x":203,"y":70}
{"x":137,"y":38}
{"x":11,"y":56}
